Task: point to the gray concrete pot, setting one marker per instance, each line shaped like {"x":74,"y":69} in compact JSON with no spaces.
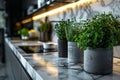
{"x":74,"y":53}
{"x":98,"y":61}
{"x":62,"y":48}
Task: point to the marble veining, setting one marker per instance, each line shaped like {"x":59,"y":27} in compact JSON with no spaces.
{"x":48,"y":66}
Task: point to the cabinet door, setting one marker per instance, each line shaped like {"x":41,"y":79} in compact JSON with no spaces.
{"x":8,"y":53}
{"x":15,"y":70}
{"x":2,"y":54}
{"x":25,"y":76}
{"x":18,"y":71}
{"x":16,"y":67}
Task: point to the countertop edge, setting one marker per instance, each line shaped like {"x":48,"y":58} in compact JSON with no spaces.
{"x":33,"y":74}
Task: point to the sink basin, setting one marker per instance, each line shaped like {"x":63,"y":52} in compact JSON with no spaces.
{"x":49,"y":45}
{"x":36,"y":49}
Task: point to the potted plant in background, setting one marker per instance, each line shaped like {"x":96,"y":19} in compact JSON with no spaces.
{"x":97,"y":38}
{"x":62,"y":41}
{"x":23,"y":33}
{"x":44,"y":30}
{"x":75,"y":55}
{"x":32,"y":34}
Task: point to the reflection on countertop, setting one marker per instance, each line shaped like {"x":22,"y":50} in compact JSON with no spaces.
{"x":48,"y":66}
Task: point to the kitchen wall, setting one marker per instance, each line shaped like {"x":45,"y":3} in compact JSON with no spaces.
{"x":86,"y":10}
{"x":2,"y":20}
{"x":1,"y":4}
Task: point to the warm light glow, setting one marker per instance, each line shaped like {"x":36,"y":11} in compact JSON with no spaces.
{"x":62,"y":9}
{"x":49,"y":66}
{"x":52,"y":69}
{"x":26,"y":21}
{"x":18,"y":24}
{"x":36,"y":56}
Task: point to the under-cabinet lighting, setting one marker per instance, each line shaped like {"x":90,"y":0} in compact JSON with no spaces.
{"x":62,"y":9}
{"x":18,"y":24}
{"x":26,"y":20}
{"x":59,"y":10}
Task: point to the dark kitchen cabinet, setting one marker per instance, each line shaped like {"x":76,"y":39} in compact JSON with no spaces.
{"x":14,"y":68}
{"x":44,"y":6}
{"x":2,"y":55}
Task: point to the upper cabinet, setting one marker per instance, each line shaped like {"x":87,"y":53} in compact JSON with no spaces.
{"x":28,"y":6}
{"x":42,"y":6}
{"x":34,"y":6}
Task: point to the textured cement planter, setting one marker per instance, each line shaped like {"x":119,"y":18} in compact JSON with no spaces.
{"x":62,"y":48}
{"x":98,"y":61}
{"x":74,"y":53}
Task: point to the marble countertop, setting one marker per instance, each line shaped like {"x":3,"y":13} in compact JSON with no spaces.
{"x":48,"y":66}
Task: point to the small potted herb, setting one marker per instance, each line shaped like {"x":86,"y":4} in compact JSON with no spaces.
{"x":24,"y":33}
{"x":72,"y":31}
{"x":44,"y":30}
{"x":62,"y":41}
{"x":97,"y":38}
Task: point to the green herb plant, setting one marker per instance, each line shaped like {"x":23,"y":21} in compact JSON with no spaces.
{"x":72,"y":29}
{"x":101,"y":31}
{"x":44,"y":26}
{"x":23,"y":32}
{"x":60,"y":30}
